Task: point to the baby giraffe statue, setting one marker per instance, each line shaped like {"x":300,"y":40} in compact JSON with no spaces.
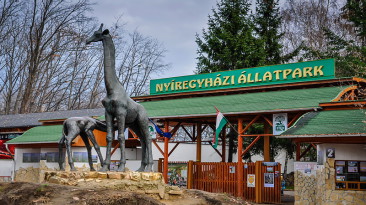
{"x":120,"y":107}
{"x":84,"y":127}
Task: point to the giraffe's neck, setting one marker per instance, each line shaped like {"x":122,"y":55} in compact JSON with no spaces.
{"x":112,"y":83}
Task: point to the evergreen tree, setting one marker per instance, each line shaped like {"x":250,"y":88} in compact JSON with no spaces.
{"x":355,"y":12}
{"x":229,"y":43}
{"x":350,"y":55}
{"x":267,"y":22}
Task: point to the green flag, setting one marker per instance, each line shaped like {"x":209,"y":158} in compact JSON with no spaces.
{"x":220,"y":123}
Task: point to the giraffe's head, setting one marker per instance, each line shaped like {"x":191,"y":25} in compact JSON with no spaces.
{"x":98,"y":35}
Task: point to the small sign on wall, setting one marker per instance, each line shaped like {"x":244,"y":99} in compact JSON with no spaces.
{"x":251,"y":180}
{"x":330,"y":152}
{"x":268,"y":180}
{"x":279,"y":123}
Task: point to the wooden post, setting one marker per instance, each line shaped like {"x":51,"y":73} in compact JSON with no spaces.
{"x":160,"y":165}
{"x":258,"y":182}
{"x":190,"y":175}
{"x":199,"y":142}
{"x":266,"y":147}
{"x":223,"y":148}
{"x":166,"y":152}
{"x":298,"y":150}
{"x":240,"y":160}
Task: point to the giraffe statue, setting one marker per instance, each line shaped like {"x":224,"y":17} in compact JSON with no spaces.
{"x":83,"y":126}
{"x":120,"y":107}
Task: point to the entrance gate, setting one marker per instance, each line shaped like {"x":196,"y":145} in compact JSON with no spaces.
{"x":221,"y":177}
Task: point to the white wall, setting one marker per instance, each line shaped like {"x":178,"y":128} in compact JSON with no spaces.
{"x":184,"y":152}
{"x":187,"y":151}
{"x":7,"y":168}
{"x":343,"y":151}
{"x":18,"y":155}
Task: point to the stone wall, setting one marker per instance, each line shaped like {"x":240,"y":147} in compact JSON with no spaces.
{"x":320,"y":189}
{"x":150,"y":183}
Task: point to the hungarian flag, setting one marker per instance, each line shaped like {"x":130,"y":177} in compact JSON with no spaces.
{"x":220,"y":123}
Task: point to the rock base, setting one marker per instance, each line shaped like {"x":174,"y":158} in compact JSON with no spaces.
{"x":151,"y":183}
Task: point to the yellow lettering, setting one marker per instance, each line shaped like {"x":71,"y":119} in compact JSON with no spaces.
{"x":185,"y":85}
{"x":297,"y":72}
{"x":166,"y":86}
{"x":178,"y":85}
{"x":226,"y":78}
{"x":200,"y":82}
{"x":249,"y":78}
{"x":242,"y":79}
{"x":159,"y":87}
{"x":267,"y":75}
{"x":277,"y":72}
{"x":233,"y":79}
{"x":257,"y":78}
{"x":318,"y":70}
{"x":208,"y":81}
{"x":307,"y":71}
{"x":286,"y":73}
{"x":217,"y":81}
{"x":191,"y":85}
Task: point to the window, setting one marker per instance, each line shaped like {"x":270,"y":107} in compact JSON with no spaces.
{"x":350,"y":174}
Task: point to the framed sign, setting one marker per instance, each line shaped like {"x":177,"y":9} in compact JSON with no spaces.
{"x":279,"y":123}
{"x":268,"y":180}
{"x":251,"y":180}
{"x":330,"y":152}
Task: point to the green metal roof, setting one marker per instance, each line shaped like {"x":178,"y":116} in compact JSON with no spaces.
{"x":200,"y":106}
{"x":335,"y":123}
{"x":41,"y":134}
{"x":242,"y":103}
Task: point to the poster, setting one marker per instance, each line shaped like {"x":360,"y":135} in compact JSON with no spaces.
{"x":279,"y":123}
{"x":177,"y":174}
{"x":268,"y":180}
{"x":251,"y":180}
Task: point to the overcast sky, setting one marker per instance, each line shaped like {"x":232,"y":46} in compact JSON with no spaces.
{"x":174,"y":23}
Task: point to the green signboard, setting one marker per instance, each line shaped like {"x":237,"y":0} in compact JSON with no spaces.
{"x":267,"y":75}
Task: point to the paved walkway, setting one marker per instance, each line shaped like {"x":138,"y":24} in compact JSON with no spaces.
{"x":288,"y":197}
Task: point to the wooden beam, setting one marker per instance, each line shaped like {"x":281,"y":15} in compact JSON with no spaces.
{"x":249,"y":89}
{"x":298,"y":150}
{"x":175,"y":129}
{"x":189,"y":134}
{"x":166,"y":150}
{"x":133,"y":133}
{"x":204,"y":127}
{"x":240,"y":176}
{"x":294,"y":119}
{"x":157,"y":146}
{"x":306,"y":151}
{"x":250,"y":145}
{"x":171,"y":151}
{"x":340,"y":95}
{"x":115,"y":148}
{"x":314,"y":146}
{"x":248,"y":125}
{"x":218,"y":152}
{"x":199,"y":143}
{"x":266,"y":144}
{"x":255,"y":135}
{"x":268,"y":121}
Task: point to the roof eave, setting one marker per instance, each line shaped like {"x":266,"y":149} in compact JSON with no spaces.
{"x":50,"y":142}
{"x":322,"y":136}
{"x":240,"y":113}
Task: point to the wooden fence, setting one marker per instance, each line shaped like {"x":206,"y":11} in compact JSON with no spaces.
{"x":221,"y":177}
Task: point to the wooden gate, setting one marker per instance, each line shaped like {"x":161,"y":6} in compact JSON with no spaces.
{"x":221,"y":177}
